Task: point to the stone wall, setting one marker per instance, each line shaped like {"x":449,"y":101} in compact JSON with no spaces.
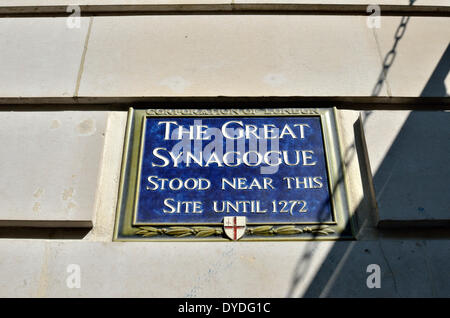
{"x":65,"y":90}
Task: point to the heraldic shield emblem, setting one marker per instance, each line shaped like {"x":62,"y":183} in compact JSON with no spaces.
{"x":234,"y":226}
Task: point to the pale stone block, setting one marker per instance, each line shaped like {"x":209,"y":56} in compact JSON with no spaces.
{"x":361,"y":198}
{"x":105,"y":2}
{"x":124,"y":2}
{"x":235,"y":55}
{"x":416,"y":55}
{"x":108,"y":182}
{"x":40,"y":57}
{"x":251,"y":269}
{"x":381,"y":128}
{"x":49,"y":167}
{"x":23,"y":273}
{"x":408,"y":153}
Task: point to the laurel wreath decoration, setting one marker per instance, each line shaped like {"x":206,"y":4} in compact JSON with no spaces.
{"x":289,"y":230}
{"x":206,"y":231}
{"x":179,"y":231}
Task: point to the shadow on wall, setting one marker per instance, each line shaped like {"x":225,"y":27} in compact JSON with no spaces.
{"x":413,"y":181}
{"x":410,"y":265}
{"x":435,"y":86}
{"x":341,"y":252}
{"x":414,"y":174}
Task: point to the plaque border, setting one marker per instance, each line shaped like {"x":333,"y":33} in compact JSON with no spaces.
{"x":343,"y":226}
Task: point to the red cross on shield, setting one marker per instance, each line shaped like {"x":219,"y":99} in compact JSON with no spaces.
{"x":234,"y":226}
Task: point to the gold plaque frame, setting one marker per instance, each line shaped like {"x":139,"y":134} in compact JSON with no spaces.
{"x":126,"y":229}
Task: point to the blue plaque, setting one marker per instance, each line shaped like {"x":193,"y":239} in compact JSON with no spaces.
{"x":212,"y":174}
